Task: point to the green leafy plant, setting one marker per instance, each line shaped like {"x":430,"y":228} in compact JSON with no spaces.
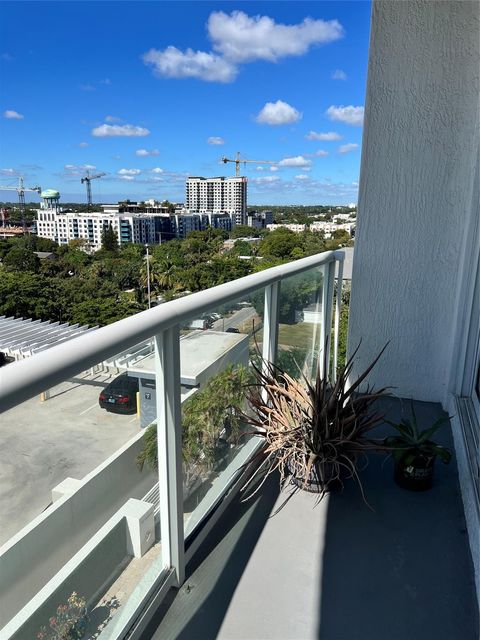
{"x":410,"y":443}
{"x":210,"y":417}
{"x":316,"y":431}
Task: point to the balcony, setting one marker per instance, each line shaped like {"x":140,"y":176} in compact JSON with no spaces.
{"x":336,"y":570}
{"x":141,"y":546}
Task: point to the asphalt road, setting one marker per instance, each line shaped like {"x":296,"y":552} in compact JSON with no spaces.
{"x":236,"y":320}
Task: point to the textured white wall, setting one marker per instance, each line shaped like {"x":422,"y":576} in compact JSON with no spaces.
{"x":416,"y":190}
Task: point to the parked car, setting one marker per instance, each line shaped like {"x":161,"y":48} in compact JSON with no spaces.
{"x":232,"y":330}
{"x":120,"y":396}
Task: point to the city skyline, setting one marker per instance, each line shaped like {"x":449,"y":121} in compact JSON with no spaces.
{"x":188,"y":84}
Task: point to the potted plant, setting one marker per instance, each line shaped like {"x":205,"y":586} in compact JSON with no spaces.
{"x":69,"y":622}
{"x":316,"y":435}
{"x":415,"y":452}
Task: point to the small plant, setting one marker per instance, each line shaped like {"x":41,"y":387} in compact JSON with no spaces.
{"x":415,"y":452}
{"x":315,"y":434}
{"x":70,"y":621}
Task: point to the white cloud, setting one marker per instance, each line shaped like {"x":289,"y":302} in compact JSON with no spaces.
{"x":87,"y":87}
{"x":173,"y":63}
{"x":266,"y":179}
{"x":330,"y":135}
{"x":128,"y":130}
{"x":279,"y":112}
{"x":129,"y":172}
{"x":83,"y":144}
{"x":241,"y":38}
{"x":157,"y":170}
{"x":215,"y":140}
{"x":10,"y":114}
{"x":144,"y":153}
{"x":77,"y":169}
{"x":296,"y":161}
{"x":260,"y":168}
{"x":345,"y":148}
{"x":338,"y":74}
{"x":321,"y":153}
{"x":112,"y":119}
{"x":9,"y":172}
{"x":302,"y":176}
{"x":349,"y":115}
{"x":274,"y":168}
{"x":128,"y":178}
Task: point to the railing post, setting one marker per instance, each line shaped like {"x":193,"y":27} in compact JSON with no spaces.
{"x":270,"y":323}
{"x":338,"y":311}
{"x":169,"y":442}
{"x":327,"y":310}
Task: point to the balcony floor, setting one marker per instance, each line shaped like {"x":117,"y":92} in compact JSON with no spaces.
{"x":338,"y":571}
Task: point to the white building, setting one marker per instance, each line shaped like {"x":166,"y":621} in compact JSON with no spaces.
{"x":62,"y":227}
{"x":328,"y":228}
{"x":142,"y":223}
{"x":296,"y":228}
{"x":218,"y":195}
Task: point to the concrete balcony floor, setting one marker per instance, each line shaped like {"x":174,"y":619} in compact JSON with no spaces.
{"x":337,"y":571}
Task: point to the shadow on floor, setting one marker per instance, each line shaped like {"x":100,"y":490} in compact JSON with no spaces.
{"x":338,"y":570}
{"x":198,"y":609}
{"x":405,"y":570}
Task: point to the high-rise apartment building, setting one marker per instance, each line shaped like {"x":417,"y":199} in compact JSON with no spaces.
{"x":218,"y":195}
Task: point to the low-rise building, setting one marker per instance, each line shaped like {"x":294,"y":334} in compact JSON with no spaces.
{"x":296,"y":228}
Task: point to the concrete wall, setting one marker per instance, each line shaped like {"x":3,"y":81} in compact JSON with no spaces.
{"x":416,"y":191}
{"x":129,"y":532}
{"x":38,"y":551}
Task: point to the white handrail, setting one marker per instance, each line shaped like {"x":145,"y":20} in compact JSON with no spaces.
{"x":24,"y":379}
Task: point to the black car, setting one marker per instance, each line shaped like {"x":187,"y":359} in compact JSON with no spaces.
{"x":120,"y":396}
{"x":232,"y":330}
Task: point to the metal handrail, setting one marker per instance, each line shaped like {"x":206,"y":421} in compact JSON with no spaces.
{"x":22,"y":380}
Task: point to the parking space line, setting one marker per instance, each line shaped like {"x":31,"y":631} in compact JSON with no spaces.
{"x":133,"y":419}
{"x":87,"y":410}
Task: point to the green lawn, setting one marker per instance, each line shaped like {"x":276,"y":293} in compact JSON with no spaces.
{"x":297,"y":335}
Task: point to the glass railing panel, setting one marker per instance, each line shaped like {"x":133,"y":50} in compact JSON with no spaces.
{"x":300,"y":323}
{"x":216,"y":367}
{"x":82,"y":506}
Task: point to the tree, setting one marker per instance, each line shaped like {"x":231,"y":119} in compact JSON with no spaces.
{"x":169,"y":205}
{"x":109,"y":239}
{"x":212,"y":410}
{"x":18,"y":259}
{"x":279,"y":243}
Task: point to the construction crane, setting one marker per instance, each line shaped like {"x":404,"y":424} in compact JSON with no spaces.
{"x":21,"y":198}
{"x":87,"y":179}
{"x":238,"y":160}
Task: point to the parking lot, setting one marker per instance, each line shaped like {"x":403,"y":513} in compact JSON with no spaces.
{"x":42,"y":443}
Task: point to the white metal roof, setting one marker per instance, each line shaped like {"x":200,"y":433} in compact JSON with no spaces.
{"x":21,"y":337}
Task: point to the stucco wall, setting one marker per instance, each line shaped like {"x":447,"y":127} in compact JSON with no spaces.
{"x":416,"y":190}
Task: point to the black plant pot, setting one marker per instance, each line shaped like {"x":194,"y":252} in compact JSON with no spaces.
{"x":417,"y":475}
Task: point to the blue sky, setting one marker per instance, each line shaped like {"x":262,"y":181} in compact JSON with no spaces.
{"x":150,"y":92}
